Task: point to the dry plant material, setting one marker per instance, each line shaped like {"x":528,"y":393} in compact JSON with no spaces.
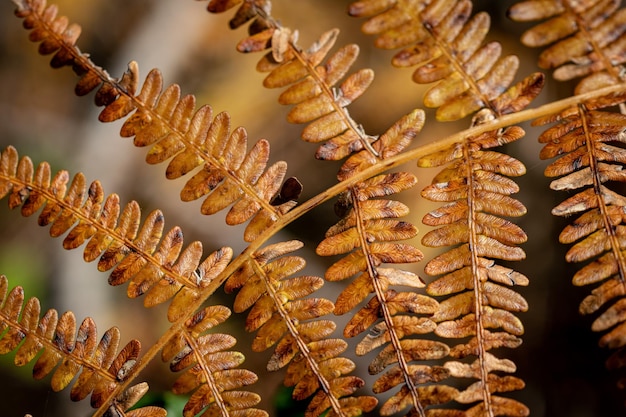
{"x":282,"y":316}
{"x":590,"y":159}
{"x":139,"y":254}
{"x":445,"y":42}
{"x":435,"y":349}
{"x":479,"y":303}
{"x":369,"y":236}
{"x":310,"y":78}
{"x":209,"y":370}
{"x":583,"y":39}
{"x":586,"y":40}
{"x":224,"y":170}
{"x":151,"y":264}
{"x":70,"y":354}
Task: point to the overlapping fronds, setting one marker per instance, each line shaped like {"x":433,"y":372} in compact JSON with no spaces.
{"x":589,"y":145}
{"x":369,"y":236}
{"x":227,"y":173}
{"x":209,"y":369}
{"x":582,"y":39}
{"x":446,"y":43}
{"x":282,"y":316}
{"x":310,"y":77}
{"x":97,"y":367}
{"x":152,"y":263}
{"x":479,"y":306}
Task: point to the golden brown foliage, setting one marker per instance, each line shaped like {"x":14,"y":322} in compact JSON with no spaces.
{"x":445,"y":41}
{"x":434,"y":347}
{"x":99,"y":365}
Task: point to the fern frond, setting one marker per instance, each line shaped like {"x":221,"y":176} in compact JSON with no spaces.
{"x":368,"y":236}
{"x":209,"y":369}
{"x":310,"y":78}
{"x":317,"y":102}
{"x":282,"y":316}
{"x":228,"y":173}
{"x":67,"y":353}
{"x":476,"y":190}
{"x":584,"y":39}
{"x":446,"y":43}
{"x":152,"y":263}
{"x":588,"y":143}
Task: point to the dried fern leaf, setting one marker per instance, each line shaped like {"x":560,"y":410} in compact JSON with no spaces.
{"x":224,"y":171}
{"x":283,"y":317}
{"x":445,"y":42}
{"x":367,"y":236}
{"x":152,"y":262}
{"x":311,"y":81}
{"x":223,"y":168}
{"x":477,"y":290}
{"x":590,"y":161}
{"x":584,"y":39}
{"x":209,"y":371}
{"x":317,"y":101}
{"x":69,"y":354}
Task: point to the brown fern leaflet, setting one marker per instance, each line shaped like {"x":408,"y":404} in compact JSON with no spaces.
{"x":283,"y":317}
{"x":588,"y":144}
{"x":445,"y":41}
{"x":209,"y":370}
{"x":586,"y":39}
{"x":369,"y":236}
{"x":476,"y":190}
{"x":67,"y":353}
{"x":229,"y":174}
{"x":151,"y":263}
{"x":311,"y":81}
{"x":583,"y":39}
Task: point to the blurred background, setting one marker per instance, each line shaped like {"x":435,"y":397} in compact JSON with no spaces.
{"x":40,"y":116}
